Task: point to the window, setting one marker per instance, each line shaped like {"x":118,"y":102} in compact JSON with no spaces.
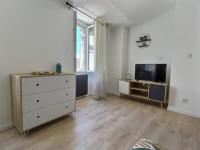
{"x":80,"y":48}
{"x":91,"y":53}
{"x":85,"y":54}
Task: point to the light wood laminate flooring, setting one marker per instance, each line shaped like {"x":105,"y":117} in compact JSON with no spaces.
{"x":110,"y":124}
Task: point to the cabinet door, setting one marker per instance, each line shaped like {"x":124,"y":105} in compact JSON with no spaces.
{"x":123,"y":87}
{"x":157,"y":92}
{"x":81,"y":85}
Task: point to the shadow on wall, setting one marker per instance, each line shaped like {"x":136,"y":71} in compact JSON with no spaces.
{"x":172,"y":96}
{"x":168,"y":74}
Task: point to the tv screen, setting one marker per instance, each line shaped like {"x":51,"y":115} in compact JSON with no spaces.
{"x":151,"y":72}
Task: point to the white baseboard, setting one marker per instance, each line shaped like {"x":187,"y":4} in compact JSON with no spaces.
{"x":6,"y":126}
{"x":178,"y":110}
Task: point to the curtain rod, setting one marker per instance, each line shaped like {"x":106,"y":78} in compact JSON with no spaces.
{"x":70,"y":5}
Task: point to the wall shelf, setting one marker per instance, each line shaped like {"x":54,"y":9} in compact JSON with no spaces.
{"x":143,"y":46}
{"x":139,"y":89}
{"x":139,"y":96}
{"x":144,"y":41}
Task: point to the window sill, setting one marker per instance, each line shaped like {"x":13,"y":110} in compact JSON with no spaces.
{"x":84,"y":72}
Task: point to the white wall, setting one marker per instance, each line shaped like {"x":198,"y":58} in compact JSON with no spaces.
{"x":160,"y":29}
{"x":115,"y":57}
{"x":185,"y":70}
{"x":175,"y":37}
{"x":34,"y":35}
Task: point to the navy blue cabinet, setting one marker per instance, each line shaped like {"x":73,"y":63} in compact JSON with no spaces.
{"x":81,"y":85}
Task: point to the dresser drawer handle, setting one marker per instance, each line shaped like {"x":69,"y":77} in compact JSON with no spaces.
{"x":38,"y":100}
{"x":37,"y":84}
{"x":38,"y":116}
{"x":66,"y":107}
{"x":67,"y":81}
{"x":66,"y":94}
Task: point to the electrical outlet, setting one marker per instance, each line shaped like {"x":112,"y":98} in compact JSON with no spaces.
{"x":185,"y":100}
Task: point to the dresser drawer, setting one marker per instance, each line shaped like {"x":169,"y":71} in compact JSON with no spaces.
{"x":40,"y":116}
{"x":61,"y":109}
{"x":42,"y":84}
{"x":35,"y":118}
{"x":37,"y":101}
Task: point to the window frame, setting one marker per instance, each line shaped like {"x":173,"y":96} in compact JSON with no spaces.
{"x":90,"y":26}
{"x":83,"y":26}
{"x":86,"y":48}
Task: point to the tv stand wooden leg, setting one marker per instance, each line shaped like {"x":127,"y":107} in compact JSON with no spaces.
{"x":161,"y":105}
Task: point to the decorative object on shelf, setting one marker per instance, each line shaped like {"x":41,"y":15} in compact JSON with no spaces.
{"x":44,"y":73}
{"x":144,"y":41}
{"x":58,"y":68}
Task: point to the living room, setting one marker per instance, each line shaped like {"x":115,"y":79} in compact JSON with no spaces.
{"x":129,"y":68}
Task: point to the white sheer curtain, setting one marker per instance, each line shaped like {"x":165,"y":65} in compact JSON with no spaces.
{"x":100,"y":75}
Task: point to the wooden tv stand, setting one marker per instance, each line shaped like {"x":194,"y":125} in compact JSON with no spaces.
{"x":146,"y":90}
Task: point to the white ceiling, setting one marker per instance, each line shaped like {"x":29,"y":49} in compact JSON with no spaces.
{"x":124,"y":12}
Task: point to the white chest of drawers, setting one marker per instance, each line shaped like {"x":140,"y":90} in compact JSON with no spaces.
{"x":40,"y":99}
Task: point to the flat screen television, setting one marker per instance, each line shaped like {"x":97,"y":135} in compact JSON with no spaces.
{"x":151,"y":72}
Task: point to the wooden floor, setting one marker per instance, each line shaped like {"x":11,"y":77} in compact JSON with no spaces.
{"x":112,"y":124}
